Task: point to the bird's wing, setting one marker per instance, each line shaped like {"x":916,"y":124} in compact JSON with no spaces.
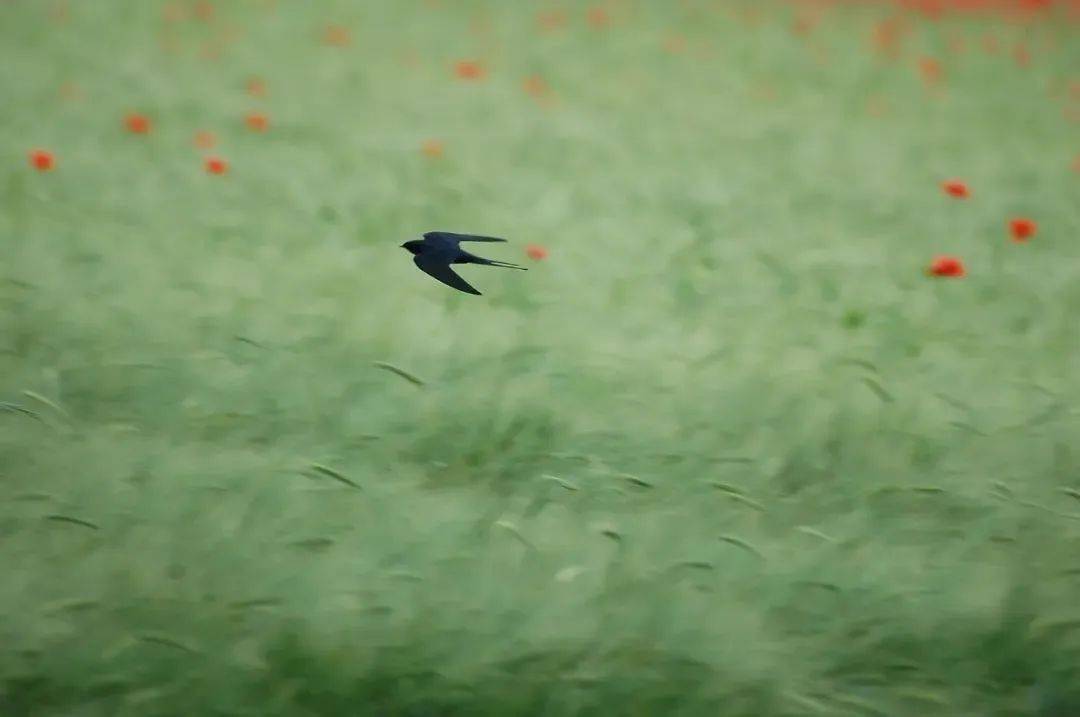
{"x":439,"y":269}
{"x":450,"y":236}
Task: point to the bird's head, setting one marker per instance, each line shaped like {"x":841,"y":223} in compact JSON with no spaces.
{"x":413,"y":246}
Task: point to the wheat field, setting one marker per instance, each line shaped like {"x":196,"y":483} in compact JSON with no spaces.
{"x":727,"y":448}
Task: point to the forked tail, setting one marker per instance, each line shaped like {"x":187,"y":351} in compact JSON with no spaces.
{"x":506,"y":264}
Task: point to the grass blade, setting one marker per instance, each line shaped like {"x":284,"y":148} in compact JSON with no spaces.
{"x":878,"y":390}
{"x":15,"y":408}
{"x":634,"y":480}
{"x":331,"y":473}
{"x":513,"y":530}
{"x":74,"y":521}
{"x":816,"y":533}
{"x":739,"y":542}
{"x":159,"y":639}
{"x":561,"y":482}
{"x":1071,"y":492}
{"x":749,"y":502}
{"x":411,"y":378}
{"x":46,"y":402}
{"x":861,"y":363}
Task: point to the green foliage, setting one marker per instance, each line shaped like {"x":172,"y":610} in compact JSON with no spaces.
{"x":726,"y":451}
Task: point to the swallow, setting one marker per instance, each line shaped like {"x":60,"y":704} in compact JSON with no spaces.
{"x":438,"y":250}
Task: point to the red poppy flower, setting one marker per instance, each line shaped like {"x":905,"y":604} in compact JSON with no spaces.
{"x":804,"y":25}
{"x":1034,"y":7}
{"x":751,"y":16}
{"x":216,"y":165}
{"x":764,"y":92}
{"x":257,"y":122}
{"x":1022,"y":55}
{"x":956,"y":188}
{"x":137,"y":123}
{"x":931,"y":9}
{"x":204,"y":10}
{"x":256,"y":87}
{"x":470,"y":70}
{"x":931,"y":71}
{"x":598,"y":18}
{"x":1022,"y":229}
{"x":204,"y":139}
{"x":210,"y":50}
{"x":432,"y":148}
{"x":675,"y":44}
{"x":337,"y":36}
{"x":42,"y":160}
{"x":536,"y":252}
{"x":173,"y":12}
{"x":551,"y":21}
{"x":957,"y":44}
{"x":61,"y":12}
{"x":888,"y":36}
{"x":535,"y":86}
{"x":949,"y":266}
{"x":71,"y":91}
{"x":877,"y":105}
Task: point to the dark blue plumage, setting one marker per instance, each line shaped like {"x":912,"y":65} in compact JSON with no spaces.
{"x":438,"y":250}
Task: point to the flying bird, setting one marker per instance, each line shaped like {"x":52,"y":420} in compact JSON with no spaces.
{"x":438,"y":250}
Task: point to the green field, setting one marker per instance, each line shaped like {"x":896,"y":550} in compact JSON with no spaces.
{"x":726,"y":450}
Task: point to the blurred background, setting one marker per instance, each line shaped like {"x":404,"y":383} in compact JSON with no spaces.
{"x":782,"y":420}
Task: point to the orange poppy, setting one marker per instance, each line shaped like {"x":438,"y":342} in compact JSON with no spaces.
{"x":256,"y":87}
{"x":137,"y":123}
{"x":675,"y":44}
{"x":956,"y":188}
{"x":536,"y":252}
{"x":42,"y":160}
{"x":888,"y":36}
{"x":1021,"y":229}
{"x":205,"y":139}
{"x":216,"y":165}
{"x":257,"y":122}
{"x":173,"y":12}
{"x":551,"y":21}
{"x":536,"y":86}
{"x":71,"y":91}
{"x":204,"y":10}
{"x":598,"y":18}
{"x":432,"y":148}
{"x":337,"y":36}
{"x":948,"y":266}
{"x":1021,"y":55}
{"x":931,"y":70}
{"x":470,"y":70}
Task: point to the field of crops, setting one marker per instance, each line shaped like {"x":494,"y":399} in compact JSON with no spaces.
{"x":784,"y":418}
